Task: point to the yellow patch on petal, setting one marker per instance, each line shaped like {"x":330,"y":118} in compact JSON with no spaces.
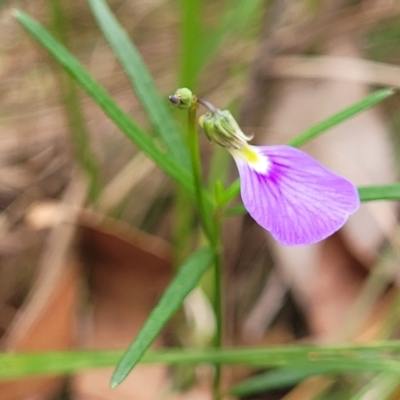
{"x":258,"y":162}
{"x":250,"y":155}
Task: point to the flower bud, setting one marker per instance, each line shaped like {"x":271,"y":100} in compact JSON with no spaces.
{"x":221,"y":128}
{"x":183,"y":98}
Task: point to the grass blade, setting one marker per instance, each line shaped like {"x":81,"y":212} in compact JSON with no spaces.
{"x":382,"y":192}
{"x":378,"y":357}
{"x":103,"y":99}
{"x":183,"y":283}
{"x":18,"y":365}
{"x":141,"y":80}
{"x":336,"y":119}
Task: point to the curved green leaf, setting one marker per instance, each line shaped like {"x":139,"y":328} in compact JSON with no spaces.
{"x":336,"y":119}
{"x":183,"y":283}
{"x":141,"y":80}
{"x":106,"y":102}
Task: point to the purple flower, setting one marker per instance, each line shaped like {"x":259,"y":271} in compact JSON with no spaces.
{"x":291,"y":195}
{"x":285,"y":190}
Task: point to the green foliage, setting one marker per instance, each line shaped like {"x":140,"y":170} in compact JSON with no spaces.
{"x":336,"y":119}
{"x":141,"y":81}
{"x":381,"y":357}
{"x":183,"y":283}
{"x":142,"y":140}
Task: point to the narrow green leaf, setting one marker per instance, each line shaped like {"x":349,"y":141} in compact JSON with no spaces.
{"x":316,"y":130}
{"x":141,"y":80}
{"x":103,"y":99}
{"x":236,"y":210}
{"x":231,"y":192}
{"x":382,"y":192}
{"x":183,"y":283}
{"x":18,"y":365}
{"x":336,"y":119}
{"x":377,"y":356}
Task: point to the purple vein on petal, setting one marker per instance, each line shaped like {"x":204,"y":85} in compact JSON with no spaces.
{"x":297,"y":199}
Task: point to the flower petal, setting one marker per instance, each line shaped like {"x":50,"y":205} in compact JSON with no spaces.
{"x":294,"y":197}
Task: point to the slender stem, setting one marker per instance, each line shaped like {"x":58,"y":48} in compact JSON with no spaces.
{"x":218,"y":310}
{"x":208,"y":105}
{"x":211,"y":227}
{"x":197,"y":176}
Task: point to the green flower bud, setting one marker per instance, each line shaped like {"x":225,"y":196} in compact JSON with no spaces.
{"x":221,"y":128}
{"x":183,"y":98}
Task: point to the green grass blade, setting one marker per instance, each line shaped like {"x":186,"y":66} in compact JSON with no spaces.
{"x":18,"y":365}
{"x":141,"y":80}
{"x":103,"y":99}
{"x":382,"y":192}
{"x":336,"y":119}
{"x":183,"y":283}
{"x":373,"y":357}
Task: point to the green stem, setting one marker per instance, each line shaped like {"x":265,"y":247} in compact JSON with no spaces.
{"x":218,"y":310}
{"x":211,"y":227}
{"x":190,"y":42}
{"x":193,"y":144}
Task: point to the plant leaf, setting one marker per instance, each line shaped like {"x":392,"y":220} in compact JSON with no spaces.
{"x":336,"y":119}
{"x":377,"y":356}
{"x":105,"y":101}
{"x":382,"y":192}
{"x":183,"y":283}
{"x":141,"y":80}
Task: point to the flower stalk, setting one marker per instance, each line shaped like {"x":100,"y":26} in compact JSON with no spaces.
{"x":211,"y":221}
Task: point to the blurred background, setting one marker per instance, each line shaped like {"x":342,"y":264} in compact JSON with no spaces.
{"x":83,"y":262}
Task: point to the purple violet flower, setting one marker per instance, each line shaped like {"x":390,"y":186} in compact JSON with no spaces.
{"x":286,"y":191}
{"x":291,"y":195}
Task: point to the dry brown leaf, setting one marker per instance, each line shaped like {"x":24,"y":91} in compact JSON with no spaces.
{"x":127,"y":272}
{"x":52,"y":329}
{"x":47,"y":319}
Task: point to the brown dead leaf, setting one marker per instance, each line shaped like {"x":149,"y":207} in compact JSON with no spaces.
{"x":46,"y":321}
{"x":127,"y":272}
